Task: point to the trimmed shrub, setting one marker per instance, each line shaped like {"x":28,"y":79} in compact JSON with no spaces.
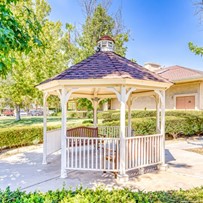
{"x":77,"y":114}
{"x":90,"y":114}
{"x":175,"y":126}
{"x":102,"y":195}
{"x":104,"y":115}
{"x":21,"y":136}
{"x":87,"y":121}
{"x":115,"y":115}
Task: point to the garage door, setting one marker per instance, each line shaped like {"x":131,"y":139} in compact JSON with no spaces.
{"x":185,"y":102}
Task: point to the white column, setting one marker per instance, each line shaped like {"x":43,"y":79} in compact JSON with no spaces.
{"x":161,"y":94}
{"x":157,"y":114}
{"x":63,"y":132}
{"x":122,"y":97}
{"x":163,"y":125}
{"x":64,"y":97}
{"x":45,"y":96}
{"x":122,"y":133}
{"x":95,"y":106}
{"x":129,"y":117}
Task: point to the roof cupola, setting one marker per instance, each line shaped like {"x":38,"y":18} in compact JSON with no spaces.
{"x":105,"y":43}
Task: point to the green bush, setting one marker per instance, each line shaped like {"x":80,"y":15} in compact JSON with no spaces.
{"x":104,"y":115}
{"x":115,"y":115}
{"x":87,"y":121}
{"x":77,"y":114}
{"x":175,"y":126}
{"x":90,"y":114}
{"x":21,"y":136}
{"x":101,"y":195}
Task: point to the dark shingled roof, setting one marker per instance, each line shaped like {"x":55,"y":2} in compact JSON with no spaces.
{"x":107,"y":65}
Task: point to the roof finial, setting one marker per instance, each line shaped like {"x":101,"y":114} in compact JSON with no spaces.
{"x":105,"y":43}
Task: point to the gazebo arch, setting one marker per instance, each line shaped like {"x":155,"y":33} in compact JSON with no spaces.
{"x":106,"y":75}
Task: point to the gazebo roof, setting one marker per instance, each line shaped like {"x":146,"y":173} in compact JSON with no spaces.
{"x":107,"y":65}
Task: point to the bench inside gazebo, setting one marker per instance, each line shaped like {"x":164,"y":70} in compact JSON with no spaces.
{"x":106,"y":148}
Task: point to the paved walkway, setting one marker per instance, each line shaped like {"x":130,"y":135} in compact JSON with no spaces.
{"x":22,"y":168}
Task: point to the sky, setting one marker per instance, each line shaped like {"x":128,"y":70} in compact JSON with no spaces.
{"x":159,"y":29}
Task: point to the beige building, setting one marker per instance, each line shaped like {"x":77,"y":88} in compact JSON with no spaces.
{"x":185,"y":93}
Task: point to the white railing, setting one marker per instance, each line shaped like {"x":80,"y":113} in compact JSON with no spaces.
{"x":85,"y":153}
{"x":101,"y":152}
{"x":53,"y":141}
{"x":111,"y":131}
{"x":142,"y":151}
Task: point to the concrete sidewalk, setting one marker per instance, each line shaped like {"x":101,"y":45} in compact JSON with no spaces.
{"x":23,"y":169}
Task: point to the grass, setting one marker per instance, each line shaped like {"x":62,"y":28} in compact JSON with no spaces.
{"x":196,"y":150}
{"x":9,"y":122}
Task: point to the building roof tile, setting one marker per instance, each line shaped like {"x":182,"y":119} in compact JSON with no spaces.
{"x":178,"y":73}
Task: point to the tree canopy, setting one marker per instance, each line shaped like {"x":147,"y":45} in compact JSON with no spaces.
{"x":37,"y":48}
{"x":98,"y":23}
{"x":19,"y":32}
{"x":39,"y":64}
{"x":195,"y":48}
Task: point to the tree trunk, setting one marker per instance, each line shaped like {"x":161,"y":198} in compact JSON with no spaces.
{"x":17,"y":107}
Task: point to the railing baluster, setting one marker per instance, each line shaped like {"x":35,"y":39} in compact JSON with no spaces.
{"x":139,"y":151}
{"x":84,"y":153}
{"x":133,"y":153}
{"x":88,"y":154}
{"x":96,"y":154}
{"x":113,"y":155}
{"x":150,"y":150}
{"x":80,"y":161}
{"x":100,"y":153}
{"x":76,"y":153}
{"x":92,"y":150}
{"x":104,"y":155}
{"x":72,"y":147}
{"x":109,"y":153}
{"x":68,"y":158}
{"x":155,"y":150}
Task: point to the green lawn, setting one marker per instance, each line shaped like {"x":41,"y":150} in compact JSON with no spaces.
{"x":35,"y":121}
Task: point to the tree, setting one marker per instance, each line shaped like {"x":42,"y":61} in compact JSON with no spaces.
{"x":194,"y":48}
{"x":40,"y":64}
{"x":98,"y":23}
{"x":19,"y":31}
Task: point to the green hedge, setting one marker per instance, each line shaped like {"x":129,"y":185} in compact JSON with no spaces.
{"x":115,"y":115}
{"x":27,"y":135}
{"x":21,"y":136}
{"x":177,"y":123}
{"x":175,"y":126}
{"x":100,"y":195}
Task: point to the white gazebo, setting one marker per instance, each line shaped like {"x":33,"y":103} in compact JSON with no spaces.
{"x":105,"y":148}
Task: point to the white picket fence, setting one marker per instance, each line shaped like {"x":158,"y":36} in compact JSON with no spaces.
{"x":142,"y":151}
{"x":103,"y":153}
{"x":100,"y":154}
